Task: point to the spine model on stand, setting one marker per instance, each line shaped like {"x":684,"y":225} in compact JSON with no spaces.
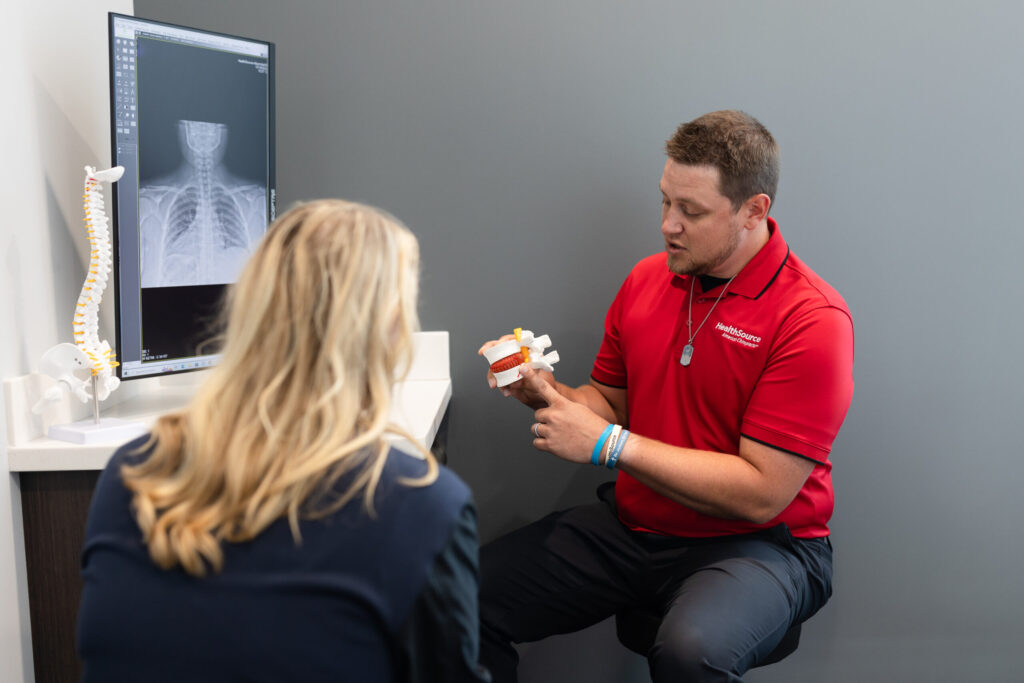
{"x":66,"y":362}
{"x":101,"y":357}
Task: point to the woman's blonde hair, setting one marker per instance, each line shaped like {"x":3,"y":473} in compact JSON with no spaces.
{"x":319,"y":328}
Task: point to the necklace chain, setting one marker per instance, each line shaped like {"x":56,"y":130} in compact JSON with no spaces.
{"x":688,"y":350}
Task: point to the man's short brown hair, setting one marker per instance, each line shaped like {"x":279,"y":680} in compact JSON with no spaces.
{"x":744,"y":152}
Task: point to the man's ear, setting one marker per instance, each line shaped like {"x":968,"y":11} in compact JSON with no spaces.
{"x":755,"y":210}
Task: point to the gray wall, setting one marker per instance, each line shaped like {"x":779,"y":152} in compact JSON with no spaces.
{"x":522,"y":143}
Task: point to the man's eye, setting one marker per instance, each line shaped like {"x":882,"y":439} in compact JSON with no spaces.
{"x":691,"y":214}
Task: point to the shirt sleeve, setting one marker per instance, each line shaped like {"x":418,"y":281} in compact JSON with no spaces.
{"x":609,"y":367}
{"x":441,"y":636}
{"x":804,"y":393}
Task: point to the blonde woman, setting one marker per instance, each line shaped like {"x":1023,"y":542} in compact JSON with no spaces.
{"x":267,"y":532}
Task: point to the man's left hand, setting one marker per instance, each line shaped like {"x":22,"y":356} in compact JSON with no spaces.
{"x":565,"y":428}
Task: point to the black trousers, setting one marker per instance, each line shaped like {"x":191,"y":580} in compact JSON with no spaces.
{"x":727,"y":601}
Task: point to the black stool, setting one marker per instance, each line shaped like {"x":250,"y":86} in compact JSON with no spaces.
{"x":637,"y":628}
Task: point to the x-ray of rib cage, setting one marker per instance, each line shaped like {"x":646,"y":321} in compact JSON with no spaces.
{"x":199,"y":224}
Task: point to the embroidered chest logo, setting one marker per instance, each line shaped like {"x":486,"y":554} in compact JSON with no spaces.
{"x":734,"y":334}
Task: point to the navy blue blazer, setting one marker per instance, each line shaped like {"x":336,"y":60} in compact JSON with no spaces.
{"x":385,"y":598}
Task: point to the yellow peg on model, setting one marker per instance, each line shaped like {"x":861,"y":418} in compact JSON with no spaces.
{"x":524,"y":350}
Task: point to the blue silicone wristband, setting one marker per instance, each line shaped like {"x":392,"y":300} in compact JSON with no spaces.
{"x":600,"y":444}
{"x":613,"y":457}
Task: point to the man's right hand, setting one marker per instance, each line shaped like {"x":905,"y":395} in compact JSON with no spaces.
{"x":518,"y":389}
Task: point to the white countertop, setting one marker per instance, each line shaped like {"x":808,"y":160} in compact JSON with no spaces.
{"x":418,"y":406}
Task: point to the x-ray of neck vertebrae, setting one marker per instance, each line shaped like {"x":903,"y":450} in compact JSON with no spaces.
{"x":199,"y":224}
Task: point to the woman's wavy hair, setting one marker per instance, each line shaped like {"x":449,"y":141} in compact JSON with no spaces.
{"x":319,"y":328}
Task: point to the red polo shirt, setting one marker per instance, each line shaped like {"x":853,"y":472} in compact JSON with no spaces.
{"x":773,"y":362}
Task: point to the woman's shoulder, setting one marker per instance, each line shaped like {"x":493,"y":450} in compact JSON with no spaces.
{"x":402,"y":468}
{"x":110,"y":506}
{"x":402,"y":464}
{"x":131,"y":453}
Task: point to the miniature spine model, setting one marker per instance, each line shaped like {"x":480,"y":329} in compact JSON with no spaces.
{"x":508,"y":357}
{"x":86,"y":323}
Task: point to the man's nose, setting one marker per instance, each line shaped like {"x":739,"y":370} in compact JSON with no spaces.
{"x":670,"y":223}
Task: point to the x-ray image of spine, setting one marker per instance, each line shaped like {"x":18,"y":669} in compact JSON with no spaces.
{"x":199,"y":224}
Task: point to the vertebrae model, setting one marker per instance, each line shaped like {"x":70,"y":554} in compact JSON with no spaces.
{"x":200,"y":223}
{"x":507,"y":358}
{"x":101,"y":357}
{"x":61,"y":361}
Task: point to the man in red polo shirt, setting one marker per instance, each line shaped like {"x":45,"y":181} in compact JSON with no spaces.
{"x":722,"y":381}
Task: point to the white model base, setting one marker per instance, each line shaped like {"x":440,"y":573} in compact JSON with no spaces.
{"x":108,"y":430}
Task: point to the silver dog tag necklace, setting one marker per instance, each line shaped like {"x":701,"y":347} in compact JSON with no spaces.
{"x":687,"y":354}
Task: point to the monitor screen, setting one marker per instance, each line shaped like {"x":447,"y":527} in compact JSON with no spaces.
{"x":192,"y":123}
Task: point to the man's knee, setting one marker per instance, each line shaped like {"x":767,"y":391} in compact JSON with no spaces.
{"x":686,"y":651}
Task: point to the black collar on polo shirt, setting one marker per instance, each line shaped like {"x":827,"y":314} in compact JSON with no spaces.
{"x":709,"y":282}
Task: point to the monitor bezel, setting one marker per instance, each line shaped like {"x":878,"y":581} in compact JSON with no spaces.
{"x":115,"y":206}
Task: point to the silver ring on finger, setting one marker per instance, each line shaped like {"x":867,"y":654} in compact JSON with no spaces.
{"x":536,"y":427}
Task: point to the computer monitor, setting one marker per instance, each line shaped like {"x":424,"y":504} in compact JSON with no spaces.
{"x":192,"y":123}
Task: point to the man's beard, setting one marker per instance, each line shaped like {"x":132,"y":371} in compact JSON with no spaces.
{"x":685,"y":264}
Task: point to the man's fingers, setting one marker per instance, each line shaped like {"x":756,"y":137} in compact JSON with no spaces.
{"x":536,"y":382}
{"x":494,"y":342}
